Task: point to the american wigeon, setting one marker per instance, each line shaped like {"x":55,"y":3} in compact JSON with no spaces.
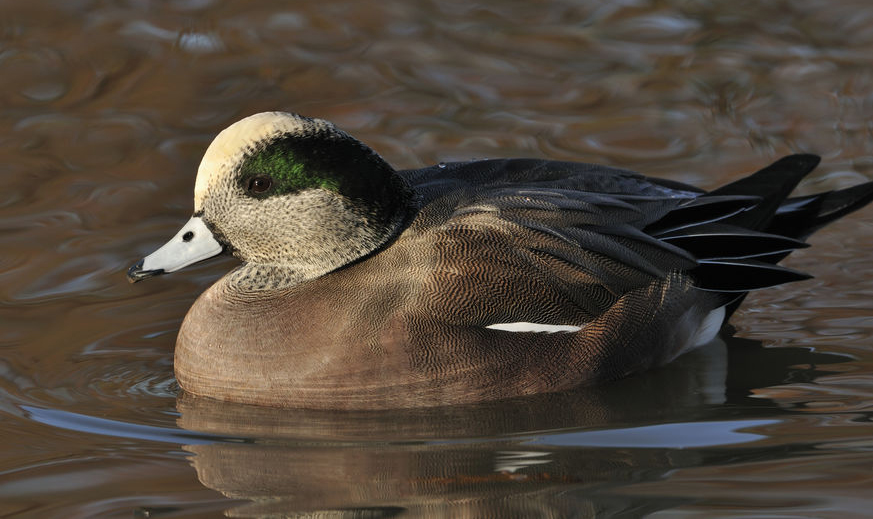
{"x":362,"y":287}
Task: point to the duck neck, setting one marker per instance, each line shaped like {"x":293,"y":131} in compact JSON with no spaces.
{"x":256,"y":277}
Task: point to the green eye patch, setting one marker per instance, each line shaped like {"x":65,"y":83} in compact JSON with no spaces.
{"x":291,"y":168}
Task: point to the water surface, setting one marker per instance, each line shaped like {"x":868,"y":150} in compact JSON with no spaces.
{"x":106,"y":108}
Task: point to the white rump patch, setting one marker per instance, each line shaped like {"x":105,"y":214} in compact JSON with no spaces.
{"x":708,"y":328}
{"x":533,"y":327}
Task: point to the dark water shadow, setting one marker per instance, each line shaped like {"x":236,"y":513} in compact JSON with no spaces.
{"x":560,"y":455}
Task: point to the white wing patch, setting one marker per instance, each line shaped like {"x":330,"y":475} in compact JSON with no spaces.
{"x":524,"y":327}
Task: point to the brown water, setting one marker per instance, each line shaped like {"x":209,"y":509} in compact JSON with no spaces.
{"x":106,"y":107}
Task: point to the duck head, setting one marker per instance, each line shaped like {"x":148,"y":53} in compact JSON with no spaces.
{"x":292,"y":197}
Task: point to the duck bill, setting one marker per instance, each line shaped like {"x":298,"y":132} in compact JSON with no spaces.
{"x":194,"y":242}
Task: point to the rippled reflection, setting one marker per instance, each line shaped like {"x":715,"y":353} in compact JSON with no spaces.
{"x":547,"y":456}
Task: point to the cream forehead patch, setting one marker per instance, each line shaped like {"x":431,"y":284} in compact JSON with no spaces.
{"x":230,"y":145}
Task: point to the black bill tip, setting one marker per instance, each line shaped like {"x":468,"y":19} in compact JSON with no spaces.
{"x":136,"y":272}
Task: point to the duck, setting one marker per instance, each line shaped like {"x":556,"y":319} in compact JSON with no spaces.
{"x":364,"y":287}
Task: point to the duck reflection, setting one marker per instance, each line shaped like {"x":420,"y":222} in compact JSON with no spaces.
{"x":556,"y":455}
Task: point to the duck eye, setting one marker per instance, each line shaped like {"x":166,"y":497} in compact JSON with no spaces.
{"x":260,"y":184}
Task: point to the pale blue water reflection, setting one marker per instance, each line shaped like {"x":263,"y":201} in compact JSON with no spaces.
{"x":665,"y":436}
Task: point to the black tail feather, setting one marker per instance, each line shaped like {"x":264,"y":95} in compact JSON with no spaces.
{"x":743,"y":275}
{"x":739,"y":232}
{"x":773,"y":184}
{"x":800,"y":217}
